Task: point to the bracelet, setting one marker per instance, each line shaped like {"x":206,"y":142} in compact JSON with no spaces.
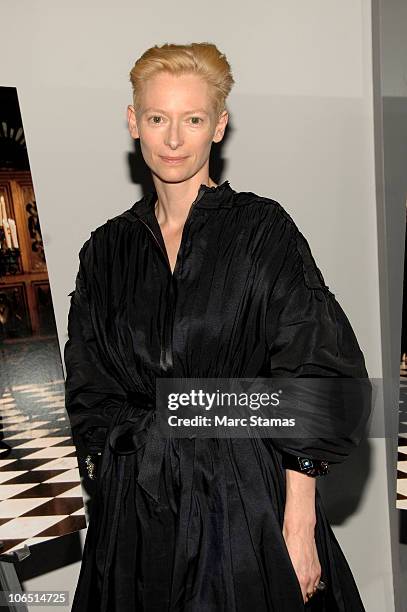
{"x":311,"y":467}
{"x":91,"y":466}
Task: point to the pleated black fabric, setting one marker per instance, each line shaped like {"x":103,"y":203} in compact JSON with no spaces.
{"x":195,"y":525}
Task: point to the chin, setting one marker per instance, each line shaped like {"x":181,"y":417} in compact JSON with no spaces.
{"x":173,"y":175}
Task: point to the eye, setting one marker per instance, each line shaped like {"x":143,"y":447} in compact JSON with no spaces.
{"x":199,"y":120}
{"x":154,"y":117}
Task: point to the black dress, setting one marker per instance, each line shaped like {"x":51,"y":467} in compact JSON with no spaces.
{"x":195,"y":525}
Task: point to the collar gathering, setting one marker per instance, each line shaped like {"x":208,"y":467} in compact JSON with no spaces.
{"x":219,"y":196}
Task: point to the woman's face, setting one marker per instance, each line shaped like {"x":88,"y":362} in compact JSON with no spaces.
{"x":176,"y":125}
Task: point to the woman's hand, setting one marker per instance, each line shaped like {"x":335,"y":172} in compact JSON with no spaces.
{"x":299,"y":530}
{"x":304,"y":557}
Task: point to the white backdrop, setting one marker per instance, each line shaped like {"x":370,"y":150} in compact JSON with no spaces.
{"x":301,"y":132}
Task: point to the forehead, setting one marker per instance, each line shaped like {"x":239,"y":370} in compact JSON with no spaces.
{"x":172,"y":93}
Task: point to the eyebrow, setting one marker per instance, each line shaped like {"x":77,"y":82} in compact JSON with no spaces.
{"x":190,"y":112}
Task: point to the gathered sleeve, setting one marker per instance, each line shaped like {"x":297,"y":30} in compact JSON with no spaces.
{"x":310,"y":336}
{"x":91,"y":391}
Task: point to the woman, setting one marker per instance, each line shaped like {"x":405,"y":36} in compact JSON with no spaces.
{"x":198,"y":280}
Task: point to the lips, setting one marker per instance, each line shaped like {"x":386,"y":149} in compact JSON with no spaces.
{"x":172,"y":159}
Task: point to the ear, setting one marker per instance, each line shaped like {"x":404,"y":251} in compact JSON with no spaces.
{"x":221,"y":126}
{"x":131,"y":120}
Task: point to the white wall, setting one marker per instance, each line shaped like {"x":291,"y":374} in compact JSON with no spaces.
{"x":301,"y":132}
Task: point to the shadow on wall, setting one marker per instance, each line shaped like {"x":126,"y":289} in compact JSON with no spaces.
{"x":342,"y":489}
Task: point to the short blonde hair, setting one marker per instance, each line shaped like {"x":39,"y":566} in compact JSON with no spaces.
{"x":203,"y":59}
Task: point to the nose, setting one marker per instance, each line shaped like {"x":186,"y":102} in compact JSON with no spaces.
{"x":173,"y":137}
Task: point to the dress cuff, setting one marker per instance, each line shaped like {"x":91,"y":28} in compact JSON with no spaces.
{"x":89,"y":448}
{"x":311,"y":467}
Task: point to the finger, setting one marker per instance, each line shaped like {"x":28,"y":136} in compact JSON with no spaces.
{"x":310,"y":591}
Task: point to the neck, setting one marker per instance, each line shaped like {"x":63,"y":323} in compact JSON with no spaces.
{"x":175,"y":199}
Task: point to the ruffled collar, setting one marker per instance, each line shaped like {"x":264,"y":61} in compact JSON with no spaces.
{"x":219,"y":196}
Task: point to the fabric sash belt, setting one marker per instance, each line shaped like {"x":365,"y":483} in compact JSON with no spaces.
{"x":135,"y":428}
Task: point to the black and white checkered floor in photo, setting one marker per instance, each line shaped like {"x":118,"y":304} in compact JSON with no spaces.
{"x":402,"y":441}
{"x":40,"y":491}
